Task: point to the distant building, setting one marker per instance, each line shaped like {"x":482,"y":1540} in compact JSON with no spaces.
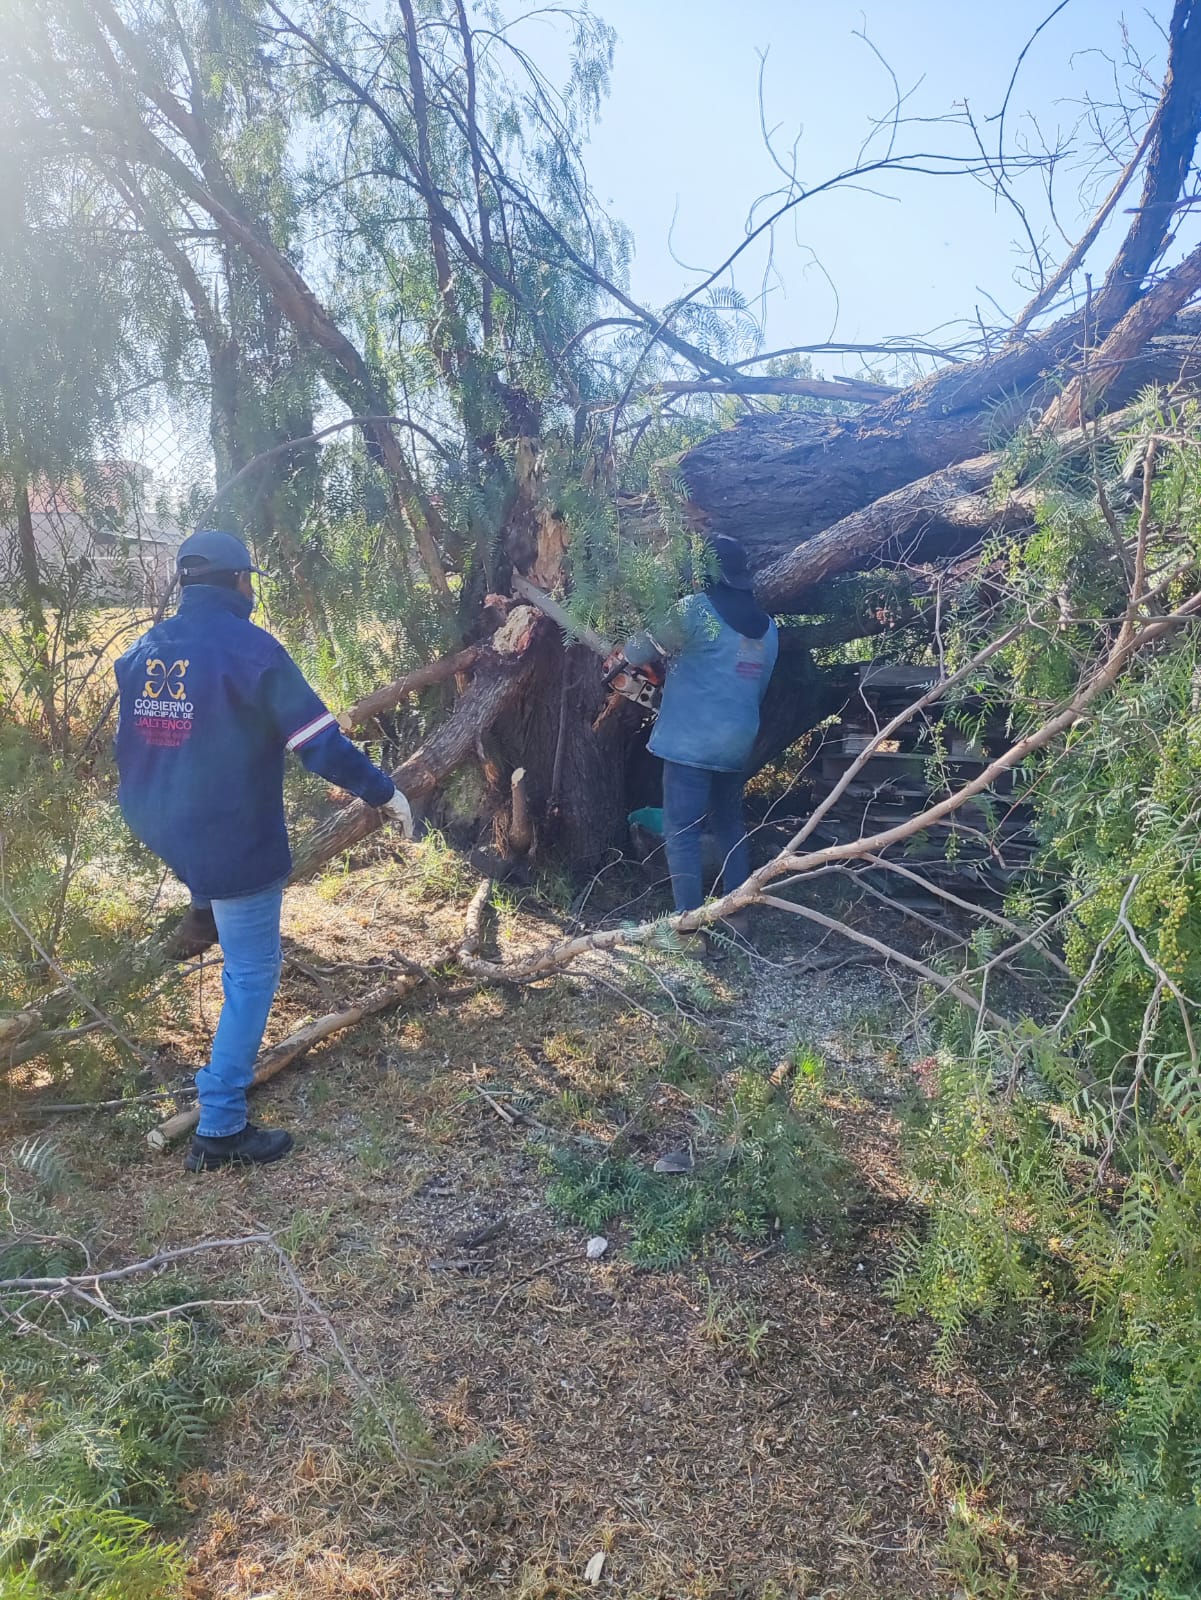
{"x":109,"y":531}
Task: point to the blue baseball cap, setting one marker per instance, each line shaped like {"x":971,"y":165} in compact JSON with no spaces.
{"x":731,"y":558}
{"x":210,"y":550}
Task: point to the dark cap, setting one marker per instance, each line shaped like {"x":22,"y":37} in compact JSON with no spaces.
{"x":209,"y":550}
{"x":731,"y":558}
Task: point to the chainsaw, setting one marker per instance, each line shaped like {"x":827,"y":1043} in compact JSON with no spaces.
{"x":641,"y":686}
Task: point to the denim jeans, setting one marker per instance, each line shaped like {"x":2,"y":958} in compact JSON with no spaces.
{"x":248,"y":929}
{"x":689,"y":795}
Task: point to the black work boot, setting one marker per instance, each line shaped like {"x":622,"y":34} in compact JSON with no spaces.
{"x":191,"y":937}
{"x":253,"y":1146}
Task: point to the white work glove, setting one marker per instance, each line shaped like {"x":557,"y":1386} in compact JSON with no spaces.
{"x":398,"y":810}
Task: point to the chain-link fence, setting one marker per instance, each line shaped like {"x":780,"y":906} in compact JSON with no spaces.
{"x":112,"y":523}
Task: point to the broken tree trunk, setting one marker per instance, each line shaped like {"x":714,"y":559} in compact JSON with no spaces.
{"x":779,"y":481}
{"x":499,"y":681}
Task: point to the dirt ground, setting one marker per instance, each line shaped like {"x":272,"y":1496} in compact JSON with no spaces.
{"x":755,"y":1423}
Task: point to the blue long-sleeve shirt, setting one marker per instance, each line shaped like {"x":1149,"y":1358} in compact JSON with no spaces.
{"x":209,"y":706}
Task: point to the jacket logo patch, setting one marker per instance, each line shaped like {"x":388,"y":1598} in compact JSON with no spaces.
{"x":160,"y":678}
{"x":163,"y":714}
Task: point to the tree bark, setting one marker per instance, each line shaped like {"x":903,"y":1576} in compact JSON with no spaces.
{"x":1125,"y":342}
{"x":521,"y":827}
{"x":944,"y":514}
{"x":575,"y":778}
{"x":777,"y":481}
{"x":496,"y":686}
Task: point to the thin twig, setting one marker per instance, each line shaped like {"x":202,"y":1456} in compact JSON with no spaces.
{"x":948,"y":985}
{"x":101,"y":1017}
{"x":87,"y":1288}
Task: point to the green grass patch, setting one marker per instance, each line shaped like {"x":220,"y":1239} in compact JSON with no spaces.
{"x":767,"y":1165}
{"x":101,"y":1421}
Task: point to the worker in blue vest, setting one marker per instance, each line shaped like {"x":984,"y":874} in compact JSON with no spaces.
{"x":721,"y":649}
{"x":209,"y":707}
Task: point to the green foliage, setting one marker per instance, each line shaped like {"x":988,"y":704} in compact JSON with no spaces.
{"x":39,"y":1156}
{"x":63,"y":836}
{"x":771,"y":1166}
{"x":982,"y":1166}
{"x":441,"y":873}
{"x":100,"y":1422}
{"x":731,"y":1324}
{"x":1018,"y":1218}
{"x":1061,"y":1159}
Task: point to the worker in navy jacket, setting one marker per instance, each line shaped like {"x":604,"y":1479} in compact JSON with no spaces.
{"x":209,"y":705}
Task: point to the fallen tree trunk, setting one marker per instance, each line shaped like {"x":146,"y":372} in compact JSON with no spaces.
{"x":447,"y":747}
{"x":390,"y":695}
{"x":779,"y":481}
{"x":944,"y":514}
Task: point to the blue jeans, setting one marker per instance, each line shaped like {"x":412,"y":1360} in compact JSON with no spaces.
{"x":248,"y":929}
{"x":689,"y":795}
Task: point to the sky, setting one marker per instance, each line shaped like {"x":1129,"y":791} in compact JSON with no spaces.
{"x":679,"y":153}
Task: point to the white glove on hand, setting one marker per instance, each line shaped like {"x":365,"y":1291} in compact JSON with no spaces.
{"x":398,"y":810}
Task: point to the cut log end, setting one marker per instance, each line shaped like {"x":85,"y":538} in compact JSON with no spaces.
{"x":521,"y":828}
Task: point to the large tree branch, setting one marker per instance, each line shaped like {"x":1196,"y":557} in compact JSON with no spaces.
{"x":1176,"y":127}
{"x":445,"y":749}
{"x":388,"y":697}
{"x":844,"y":929}
{"x":421,"y":119}
{"x":953,"y":503}
{"x":1127,"y":339}
{"x":951,"y":509}
{"x":1072,"y":263}
{"x":816,"y":388}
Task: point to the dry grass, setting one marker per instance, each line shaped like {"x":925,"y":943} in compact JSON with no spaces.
{"x":757,"y":1425}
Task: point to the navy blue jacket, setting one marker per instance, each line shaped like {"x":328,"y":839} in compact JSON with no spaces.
{"x":209,"y":704}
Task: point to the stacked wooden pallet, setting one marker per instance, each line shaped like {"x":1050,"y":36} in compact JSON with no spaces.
{"x":979,"y":849}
